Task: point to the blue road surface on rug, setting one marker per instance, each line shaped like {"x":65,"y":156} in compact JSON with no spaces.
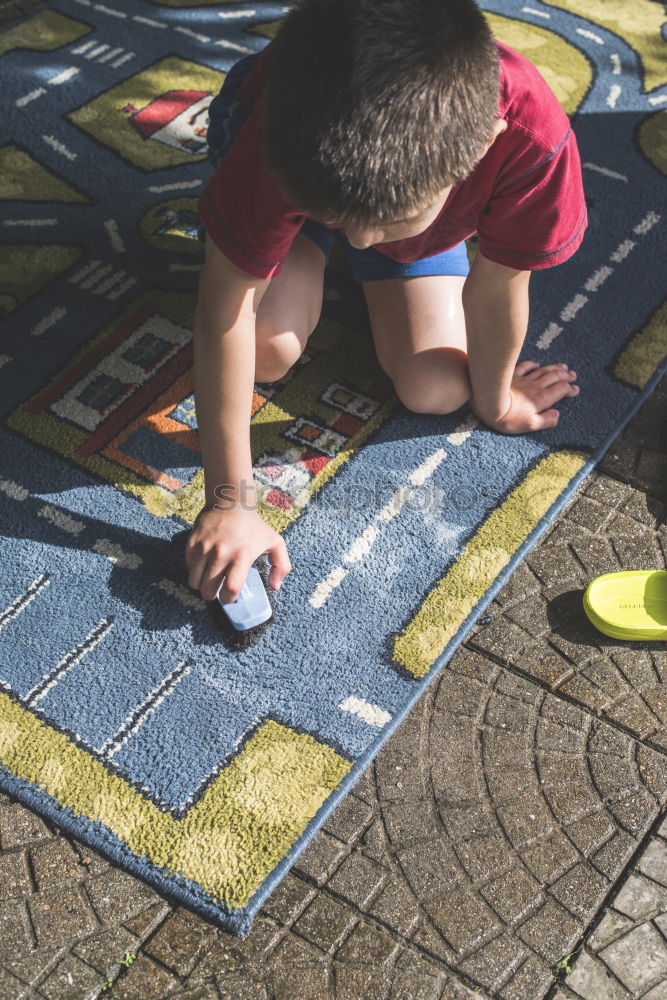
{"x":125,"y":716}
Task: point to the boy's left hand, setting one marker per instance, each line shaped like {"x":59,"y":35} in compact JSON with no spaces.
{"x":533,"y":392}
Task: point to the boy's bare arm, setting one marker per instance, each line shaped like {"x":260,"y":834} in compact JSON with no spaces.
{"x":227,"y":541}
{"x":495,"y":301}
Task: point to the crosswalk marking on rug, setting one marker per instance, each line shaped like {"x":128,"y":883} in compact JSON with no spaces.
{"x":69,"y":660}
{"x":142,"y":712}
{"x":23,"y":600}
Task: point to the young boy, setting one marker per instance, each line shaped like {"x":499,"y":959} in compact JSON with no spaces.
{"x":400,"y":128}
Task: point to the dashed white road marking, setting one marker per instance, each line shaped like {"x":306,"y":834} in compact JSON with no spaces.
{"x":228,"y":14}
{"x":30,"y":222}
{"x":48,"y":321}
{"x":650,"y":220}
{"x":14,"y":490}
{"x":181,"y":594}
{"x":549,"y":335}
{"x":192,"y":34}
{"x":235,"y":46}
{"x":615,"y":63}
{"x":175,"y":187}
{"x":51,"y":141}
{"x":61,"y":520}
{"x":148,"y":21}
{"x":117,"y":244}
{"x":373,"y":715}
{"x":606,"y":172}
{"x":537,"y":13}
{"x":32,"y":96}
{"x":597,"y":279}
{"x":660,"y":99}
{"x":613,"y":95}
{"x":116,"y":555}
{"x":463,"y":431}
{"x":590,"y":34}
{"x":108,"y":10}
{"x":622,"y":251}
{"x":362,"y":545}
{"x":63,"y":77}
{"x":573,"y":307}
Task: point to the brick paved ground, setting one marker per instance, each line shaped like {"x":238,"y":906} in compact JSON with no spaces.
{"x":510,"y":841}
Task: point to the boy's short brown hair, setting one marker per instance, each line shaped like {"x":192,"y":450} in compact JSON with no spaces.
{"x":374,"y":106}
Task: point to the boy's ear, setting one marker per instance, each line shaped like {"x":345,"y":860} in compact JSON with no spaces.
{"x":498,"y":129}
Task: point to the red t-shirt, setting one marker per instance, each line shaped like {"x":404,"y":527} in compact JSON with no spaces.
{"x":524,"y":198}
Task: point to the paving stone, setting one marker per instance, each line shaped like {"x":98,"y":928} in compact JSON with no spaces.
{"x":54,"y":861}
{"x":640,"y":897}
{"x":305,"y":984}
{"x":70,"y":980}
{"x":16,"y":935}
{"x":349,"y":819}
{"x":658,"y":992}
{"x":612,"y":926}
{"x":551,"y":932}
{"x":588,"y":512}
{"x":241,"y":988}
{"x":607,"y":490}
{"x":358,"y":879}
{"x":104,"y":950}
{"x":326,"y":923}
{"x":180,"y":942}
{"x":531,"y":980}
{"x":513,"y":895}
{"x":142,"y":980}
{"x":553,"y":563}
{"x":206,"y":991}
{"x":14,"y":875}
{"x":117,"y":895}
{"x":582,"y":890}
{"x":355,"y":981}
{"x":20,"y":828}
{"x":495,"y":962}
{"x":590,"y":980}
{"x":60,"y":914}
{"x":396,"y":907}
{"x":653,"y":861}
{"x":638,"y":959}
{"x":321,"y":857}
{"x":463,"y":918}
{"x":367,"y":944}
{"x":289,"y":899}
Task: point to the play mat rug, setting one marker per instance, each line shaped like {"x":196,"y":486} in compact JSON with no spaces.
{"x":125,"y":717}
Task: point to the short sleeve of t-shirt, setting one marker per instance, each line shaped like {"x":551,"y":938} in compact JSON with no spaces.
{"x":536,"y":213}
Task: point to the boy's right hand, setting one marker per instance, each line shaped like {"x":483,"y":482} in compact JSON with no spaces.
{"x":533,"y":392}
{"x":226,"y":543}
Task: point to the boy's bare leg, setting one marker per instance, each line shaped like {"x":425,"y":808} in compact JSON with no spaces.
{"x":419,"y":330}
{"x":289,"y":310}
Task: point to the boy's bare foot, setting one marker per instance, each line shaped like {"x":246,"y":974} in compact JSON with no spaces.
{"x":533,"y":392}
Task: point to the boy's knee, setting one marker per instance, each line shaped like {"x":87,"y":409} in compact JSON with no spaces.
{"x":419,"y":400}
{"x":275,"y":356}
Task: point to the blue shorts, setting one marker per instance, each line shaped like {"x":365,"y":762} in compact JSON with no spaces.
{"x":226,"y":118}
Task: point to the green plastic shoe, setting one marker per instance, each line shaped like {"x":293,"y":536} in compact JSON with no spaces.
{"x":631,"y":604}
